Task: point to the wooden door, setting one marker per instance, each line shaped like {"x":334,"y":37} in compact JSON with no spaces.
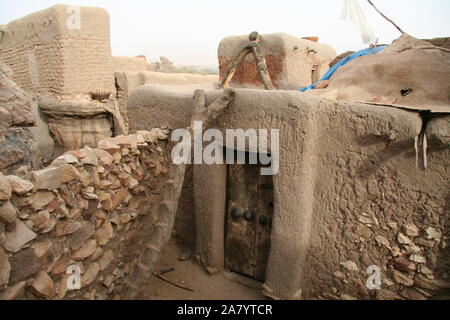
{"x":249,"y":215}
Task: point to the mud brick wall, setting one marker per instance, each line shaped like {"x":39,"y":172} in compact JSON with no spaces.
{"x":130,"y":64}
{"x":47,"y":57}
{"x":107,"y":210}
{"x":290,"y":60}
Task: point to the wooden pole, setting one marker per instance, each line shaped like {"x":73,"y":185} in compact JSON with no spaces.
{"x":395,"y":25}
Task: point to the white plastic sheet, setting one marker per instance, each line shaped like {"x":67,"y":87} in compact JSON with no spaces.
{"x":353,"y":12}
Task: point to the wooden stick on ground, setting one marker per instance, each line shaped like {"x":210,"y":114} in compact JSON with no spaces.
{"x":395,"y":25}
{"x":160,"y":276}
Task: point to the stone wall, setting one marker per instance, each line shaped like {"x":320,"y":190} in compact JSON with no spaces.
{"x":107,"y":210}
{"x":49,"y":56}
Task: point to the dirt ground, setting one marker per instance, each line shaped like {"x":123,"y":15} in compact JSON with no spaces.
{"x":220,"y":286}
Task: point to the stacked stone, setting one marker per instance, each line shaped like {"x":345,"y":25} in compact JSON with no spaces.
{"x":90,"y":208}
{"x":409,"y":261}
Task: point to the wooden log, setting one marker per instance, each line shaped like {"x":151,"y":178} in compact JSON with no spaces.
{"x":209,"y":114}
{"x":261,"y":65}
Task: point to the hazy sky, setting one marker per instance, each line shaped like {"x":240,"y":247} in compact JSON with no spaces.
{"x":189,"y":31}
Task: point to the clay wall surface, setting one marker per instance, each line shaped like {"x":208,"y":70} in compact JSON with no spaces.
{"x":127,"y":82}
{"x":107,"y":211}
{"x":290,"y":60}
{"x":48,"y":57}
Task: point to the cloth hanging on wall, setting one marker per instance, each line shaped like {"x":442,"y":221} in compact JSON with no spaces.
{"x":353,"y":12}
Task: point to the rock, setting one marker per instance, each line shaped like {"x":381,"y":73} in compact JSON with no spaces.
{"x":97,"y":254}
{"x":363,"y":231}
{"x":432,"y":233}
{"x":337,"y":274}
{"x":68,"y":173}
{"x":411,"y":230}
{"x":85,"y":177}
{"x":393,"y":226}
{"x":159,"y":133}
{"x":348,"y":297}
{"x":418,"y":258}
{"x":350,"y":265}
{"x":385,"y":294}
{"x":89,"y":156}
{"x":60,"y":266}
{"x":51,"y":178}
{"x":47,"y":179}
{"x":20,"y":186}
{"x":14,"y":293}
{"x":91,"y":208}
{"x":424,"y":242}
{"x":18,"y":149}
{"x":125,"y":218}
{"x":109,"y":279}
{"x":24,"y":265}
{"x":368,"y":220}
{"x":382,"y":241}
{"x":104,"y":233}
{"x":43,"y":286}
{"x":106,"y":259}
{"x":105,"y":157}
{"x":403,"y":239}
{"x":40,"y":219}
{"x":432,"y":285}
{"x":42,"y":248}
{"x":426,"y":271}
{"x":119,"y":197}
{"x":90,"y":275}
{"x":5,"y":188}
{"x":40,"y":200}
{"x":412,"y":248}
{"x":16,"y":239}
{"x":8,"y":214}
{"x":395,"y":251}
{"x":62,"y":286}
{"x":89,"y":196}
{"x":49,"y":225}
{"x":403,"y":279}
{"x":85,"y":251}
{"x":66,"y":158}
{"x":66,"y":228}
{"x":403,"y":264}
{"x":78,"y":238}
{"x":108,"y":144}
{"x":5,"y":269}
{"x":412,"y":294}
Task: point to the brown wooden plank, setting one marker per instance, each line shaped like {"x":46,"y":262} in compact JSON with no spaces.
{"x":263,"y":232}
{"x":240,"y":234}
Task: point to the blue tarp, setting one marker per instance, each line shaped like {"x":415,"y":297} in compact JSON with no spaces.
{"x":344,"y":61}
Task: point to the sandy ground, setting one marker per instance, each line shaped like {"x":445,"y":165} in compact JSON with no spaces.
{"x":220,"y":286}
